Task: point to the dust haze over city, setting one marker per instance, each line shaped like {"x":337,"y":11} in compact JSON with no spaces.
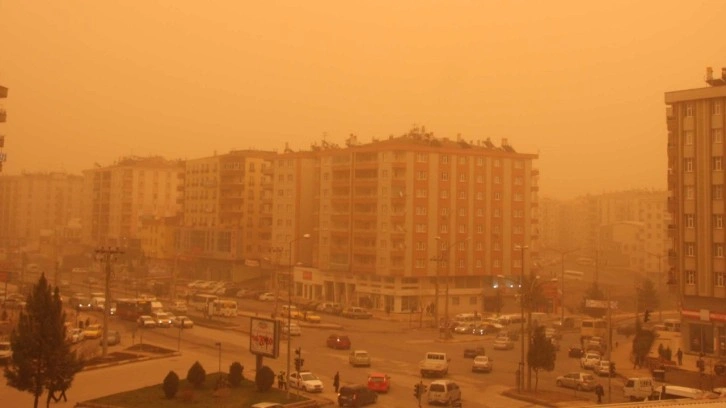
{"x":439,"y":173}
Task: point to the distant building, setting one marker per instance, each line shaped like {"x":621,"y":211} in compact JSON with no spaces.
{"x":695,"y":123}
{"x":3,"y":118}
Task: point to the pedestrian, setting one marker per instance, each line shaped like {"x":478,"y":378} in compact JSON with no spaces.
{"x":599,"y":391}
{"x":679,"y":355}
{"x":281,"y":380}
{"x":336,"y":381}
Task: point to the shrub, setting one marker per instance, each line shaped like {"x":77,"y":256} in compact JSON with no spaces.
{"x":236,"y":374}
{"x":264,"y":379}
{"x":196,"y":375}
{"x":171,"y":385}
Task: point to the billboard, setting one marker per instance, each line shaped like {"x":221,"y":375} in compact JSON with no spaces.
{"x":264,"y":337}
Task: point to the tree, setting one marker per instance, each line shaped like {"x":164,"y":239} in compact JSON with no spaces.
{"x":647,"y":295}
{"x":196,"y":375}
{"x":541,"y":354}
{"x":642,"y":343}
{"x":42,"y":358}
{"x":264,"y":379}
{"x":593,"y":293}
{"x":171,"y":385}
{"x":236,"y":375}
{"x":534,"y":297}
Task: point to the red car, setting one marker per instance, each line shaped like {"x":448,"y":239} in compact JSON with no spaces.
{"x":338,"y":342}
{"x":379,"y":382}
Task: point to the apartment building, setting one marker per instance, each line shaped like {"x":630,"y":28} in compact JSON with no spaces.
{"x":227,"y":213}
{"x":35,"y":205}
{"x":695,"y":124}
{"x":409,"y":223}
{"x":119,"y":196}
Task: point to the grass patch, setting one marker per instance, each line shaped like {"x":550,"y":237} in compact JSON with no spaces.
{"x":153,"y":396}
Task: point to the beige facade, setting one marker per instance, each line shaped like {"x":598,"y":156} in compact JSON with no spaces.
{"x":695,"y":123}
{"x":119,"y":196}
{"x":3,"y":118}
{"x":36,"y":205}
{"x":392,"y":219}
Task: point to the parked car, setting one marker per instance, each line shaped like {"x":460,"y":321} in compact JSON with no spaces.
{"x":485,"y":328}
{"x":482,"y":364}
{"x":114,"y":338}
{"x":6,"y":352}
{"x":93,"y":331}
{"x":292,"y":310}
{"x":329,"y":307}
{"x":464,"y":328}
{"x":179,"y":307}
{"x":589,"y":360}
{"x":566,"y":323}
{"x":294,"y":329}
{"x":162,"y":319}
{"x":575,"y":351}
{"x":356,"y":395}
{"x":311,"y":317}
{"x":356,"y":313}
{"x":443,"y":392}
{"x":379,"y":382}
{"x":578,"y":381}
{"x":503,"y":343}
{"x":266,"y":297}
{"x":338,"y":342}
{"x":179,"y":321}
{"x":146,"y":322}
{"x":359,"y":358}
{"x":75,"y":335}
{"x":305,"y":381}
{"x":472,"y":352}
{"x":602,"y":368}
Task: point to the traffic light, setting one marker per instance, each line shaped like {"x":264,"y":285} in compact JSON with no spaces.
{"x":416,"y":390}
{"x":646,"y":316}
{"x":299,"y":361}
{"x":612,"y":369}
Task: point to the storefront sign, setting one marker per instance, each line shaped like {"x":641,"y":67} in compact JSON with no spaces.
{"x":264,"y":337}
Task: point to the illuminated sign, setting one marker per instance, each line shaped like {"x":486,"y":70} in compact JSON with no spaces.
{"x":264,"y":337}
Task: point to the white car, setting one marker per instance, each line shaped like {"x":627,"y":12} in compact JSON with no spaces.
{"x":267,"y":297}
{"x":305,"y":381}
{"x":503,"y":343}
{"x":177,"y":322}
{"x":294,"y":329}
{"x":482,"y":364}
{"x":76,"y":335}
{"x":146,"y":322}
{"x":590,"y":360}
{"x":6,"y":351}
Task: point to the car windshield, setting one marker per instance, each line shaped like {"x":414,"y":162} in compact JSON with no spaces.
{"x":363,"y":354}
{"x":437,"y":388}
{"x":308,"y":377}
{"x":376,"y":379}
{"x":481,"y":359}
{"x":588,"y":377}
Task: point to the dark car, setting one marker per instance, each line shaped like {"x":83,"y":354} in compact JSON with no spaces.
{"x":356,"y":395}
{"x":474,"y":351}
{"x":484,"y":329}
{"x":626,"y":329}
{"x":575,"y":352}
{"x":338,"y":342}
{"x":720,"y":367}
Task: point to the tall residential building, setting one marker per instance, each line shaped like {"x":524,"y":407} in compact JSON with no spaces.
{"x":33,"y":205}
{"x":3,"y":118}
{"x":695,"y":123}
{"x":409,"y":222}
{"x":119,"y":196}
{"x":227,"y":213}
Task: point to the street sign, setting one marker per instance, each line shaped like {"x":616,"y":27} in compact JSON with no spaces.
{"x":600,"y":304}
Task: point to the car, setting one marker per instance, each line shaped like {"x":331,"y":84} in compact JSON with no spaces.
{"x":602,"y":368}
{"x":578,"y":381}
{"x":292,"y":310}
{"x":359,"y":358}
{"x":338,"y":342}
{"x":93,"y":331}
{"x":589,"y":360}
{"x":6,"y":352}
{"x":114,"y":338}
{"x":179,"y":307}
{"x":146,"y":322}
{"x":379,"y":382}
{"x":555,"y":343}
{"x":266,"y":297}
{"x":443,"y":392}
{"x":484,"y":329}
{"x":163,"y":319}
{"x":329,"y":307}
{"x":306,"y":381}
{"x":356,"y":395}
{"x":464,"y":328}
{"x":356,"y":313}
{"x":503,"y":343}
{"x":294,"y":328}
{"x":626,"y":329}
{"x":575,"y":351}
{"x":552,"y":332}
{"x":472,"y":352}
{"x":311,"y":317}
{"x":482,"y":364}
{"x":75,"y":335}
{"x":182,"y":321}
{"x":567,"y":323}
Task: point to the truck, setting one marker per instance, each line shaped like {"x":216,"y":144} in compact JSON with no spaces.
{"x":434,"y":364}
{"x":639,"y":388}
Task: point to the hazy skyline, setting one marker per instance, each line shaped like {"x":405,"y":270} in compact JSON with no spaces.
{"x":580,"y":83}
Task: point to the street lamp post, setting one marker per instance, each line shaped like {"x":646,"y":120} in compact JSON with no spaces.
{"x":276,"y":276}
{"x":447,"y":250}
{"x":562,"y":277}
{"x":522,"y":361}
{"x":107,"y":256}
{"x":219,"y":345}
{"x":289,"y":304}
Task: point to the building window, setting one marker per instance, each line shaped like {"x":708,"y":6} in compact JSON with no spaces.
{"x":421,"y":193}
{"x":497,"y":163}
{"x":518,"y":197}
{"x":690,"y":221}
{"x":479,"y":195}
{"x":718,"y":221}
{"x":421,"y":175}
{"x":716,"y":108}
{"x":479,"y":178}
{"x":717,"y":135}
{"x":479,"y":246}
{"x":718,"y":250}
{"x":690,"y":277}
{"x":719,"y":280}
{"x":421,"y":245}
{"x":479,"y":229}
{"x":445,"y":159}
{"x":422,"y":157}
{"x":688,"y":137}
{"x":497,"y":196}
{"x":496,"y":263}
{"x":518,"y":181}
{"x":717,"y":163}
{"x":420,"y":227}
{"x":690,"y":192}
{"x":444,"y":194}
{"x":443,"y":228}
{"x":444,"y":176}
{"x":497,"y":247}
{"x":497,"y":213}
{"x":462,"y":212}
{"x":689,"y":109}
{"x":517,"y":229}
{"x":462,"y":177}
{"x":479,"y":212}
{"x":688,"y":165}
{"x":462,"y":159}
{"x":462,"y":195}
{"x":420,"y":263}
{"x":717,"y":191}
{"x":497,"y":180}
{"x":444,"y":211}
{"x":690,"y":249}
{"x":479,"y":161}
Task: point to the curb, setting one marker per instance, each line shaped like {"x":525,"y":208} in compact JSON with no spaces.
{"x":129,"y":361}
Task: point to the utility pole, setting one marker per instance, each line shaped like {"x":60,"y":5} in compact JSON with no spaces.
{"x":610,"y":347}
{"x":107,"y":256}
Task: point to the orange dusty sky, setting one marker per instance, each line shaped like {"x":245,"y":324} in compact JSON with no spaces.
{"x":579,"y":82}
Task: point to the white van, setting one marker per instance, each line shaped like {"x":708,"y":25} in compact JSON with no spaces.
{"x":673,"y":325}
{"x":443,"y":392}
{"x":666,"y":392}
{"x":639,"y":388}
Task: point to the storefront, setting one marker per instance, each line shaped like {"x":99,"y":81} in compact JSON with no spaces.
{"x":704,"y":331}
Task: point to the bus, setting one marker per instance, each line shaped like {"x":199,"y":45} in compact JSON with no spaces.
{"x":593,"y":328}
{"x":202,"y":301}
{"x":132,"y":308}
{"x":226,"y":308}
